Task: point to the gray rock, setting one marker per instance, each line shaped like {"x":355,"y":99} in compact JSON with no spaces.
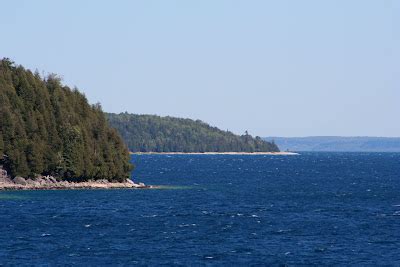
{"x":47,"y":180}
{"x":19,"y":180}
{"x":40,"y":181}
{"x":32,"y":182}
{"x":4,"y":178}
{"x":3,"y":173}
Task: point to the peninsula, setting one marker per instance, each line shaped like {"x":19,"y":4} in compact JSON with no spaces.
{"x":51,"y":137}
{"x":151,"y":133}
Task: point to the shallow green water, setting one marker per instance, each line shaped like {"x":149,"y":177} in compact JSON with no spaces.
{"x":172,"y":187}
{"x":13,"y":196}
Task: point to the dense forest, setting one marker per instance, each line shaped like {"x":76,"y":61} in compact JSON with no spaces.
{"x":49,"y":129}
{"x":150,"y":133}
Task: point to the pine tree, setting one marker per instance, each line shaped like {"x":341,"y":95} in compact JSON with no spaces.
{"x":47,"y":128}
{"x":166,"y":134}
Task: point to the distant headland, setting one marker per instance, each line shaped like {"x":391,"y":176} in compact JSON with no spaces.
{"x":151,"y":133}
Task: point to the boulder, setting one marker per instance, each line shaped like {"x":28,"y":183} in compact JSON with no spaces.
{"x":47,"y":179}
{"x":44,"y":178}
{"x":19,"y":180}
{"x":32,"y":182}
{"x":129,"y":181}
{"x":3,"y":176}
{"x":41,"y":181}
{"x":3,"y":173}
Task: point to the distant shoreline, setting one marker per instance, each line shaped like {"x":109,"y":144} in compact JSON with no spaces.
{"x":216,"y":153}
{"x":338,"y":143}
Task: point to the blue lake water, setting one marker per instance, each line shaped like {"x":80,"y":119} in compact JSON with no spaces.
{"x":315,"y":208}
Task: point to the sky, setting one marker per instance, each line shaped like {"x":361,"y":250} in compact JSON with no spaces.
{"x":274,"y":68}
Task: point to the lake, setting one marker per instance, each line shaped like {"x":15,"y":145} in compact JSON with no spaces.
{"x":313,"y":208}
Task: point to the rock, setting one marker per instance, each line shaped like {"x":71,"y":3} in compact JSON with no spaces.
{"x":19,"y":180}
{"x":45,"y":180}
{"x":31,"y":182}
{"x":4,"y":178}
{"x":48,"y":182}
{"x":3,"y":173}
{"x":41,"y":181}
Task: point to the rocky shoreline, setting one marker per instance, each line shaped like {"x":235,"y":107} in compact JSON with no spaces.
{"x":50,"y":183}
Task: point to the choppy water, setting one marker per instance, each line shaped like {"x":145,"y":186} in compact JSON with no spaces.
{"x":316,"y":208}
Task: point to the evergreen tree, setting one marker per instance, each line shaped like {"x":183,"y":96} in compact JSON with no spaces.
{"x":47,"y":128}
{"x":148,"y":133}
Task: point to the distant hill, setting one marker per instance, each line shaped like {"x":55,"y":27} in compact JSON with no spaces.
{"x":150,"y":133}
{"x":337,"y":143}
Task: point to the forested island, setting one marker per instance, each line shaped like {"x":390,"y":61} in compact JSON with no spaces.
{"x":49,"y":130}
{"x":151,"y":133}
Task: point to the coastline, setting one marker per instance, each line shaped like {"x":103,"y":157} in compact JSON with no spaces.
{"x":216,"y":153}
{"x":49,"y":183}
{"x":72,"y":186}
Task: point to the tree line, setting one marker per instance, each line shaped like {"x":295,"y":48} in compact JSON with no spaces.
{"x":47,"y":128}
{"x":150,"y":133}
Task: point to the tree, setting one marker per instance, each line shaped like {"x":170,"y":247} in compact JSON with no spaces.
{"x":47,"y":128}
{"x":167,"y":134}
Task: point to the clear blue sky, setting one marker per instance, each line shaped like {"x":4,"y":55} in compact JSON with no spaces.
{"x":282,"y":68}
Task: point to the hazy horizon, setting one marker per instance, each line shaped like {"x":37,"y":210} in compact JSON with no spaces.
{"x":274,"y":68}
{"x":281,"y":136}
{"x":333,"y":136}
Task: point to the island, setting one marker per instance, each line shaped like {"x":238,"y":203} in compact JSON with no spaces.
{"x":156,"y":134}
{"x":51,"y":137}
